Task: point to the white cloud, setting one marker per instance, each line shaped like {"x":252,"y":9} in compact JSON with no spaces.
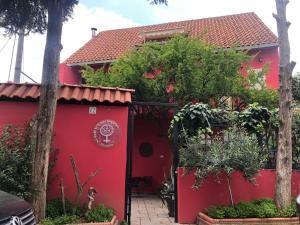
{"x":76,"y":32}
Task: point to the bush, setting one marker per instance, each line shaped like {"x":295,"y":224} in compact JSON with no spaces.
{"x":55,"y":208}
{"x":245,"y":209}
{"x":16,"y":161}
{"x":231,"y":212}
{"x":260,"y":208}
{"x":290,"y":211}
{"x":240,"y":153}
{"x":99,"y":214}
{"x":66,"y":219}
{"x":216,"y":212}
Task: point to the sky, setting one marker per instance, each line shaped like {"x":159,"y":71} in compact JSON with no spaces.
{"x":112,"y":14}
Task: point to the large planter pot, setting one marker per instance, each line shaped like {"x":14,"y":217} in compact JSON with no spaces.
{"x":203,"y":219}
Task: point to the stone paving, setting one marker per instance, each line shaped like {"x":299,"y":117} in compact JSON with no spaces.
{"x":149,"y":210}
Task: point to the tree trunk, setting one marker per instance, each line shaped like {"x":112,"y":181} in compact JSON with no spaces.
{"x":284,"y":153}
{"x":19,"y":57}
{"x":47,"y":107}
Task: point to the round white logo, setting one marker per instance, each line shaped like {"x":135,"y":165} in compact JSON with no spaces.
{"x":15,"y":221}
{"x":106,"y":133}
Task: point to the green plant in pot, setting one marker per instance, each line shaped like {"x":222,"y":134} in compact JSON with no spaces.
{"x":167,"y":194}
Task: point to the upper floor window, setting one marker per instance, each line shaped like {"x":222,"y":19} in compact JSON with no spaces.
{"x":161,"y":35}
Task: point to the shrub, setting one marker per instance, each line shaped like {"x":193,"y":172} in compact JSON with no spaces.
{"x":66,"y":219}
{"x":99,"y":214}
{"x":290,"y":211}
{"x":241,"y":153}
{"x":245,"y":209}
{"x":216,"y":212}
{"x":260,"y":208}
{"x":231,"y":212}
{"x":55,"y":208}
{"x":16,"y":161}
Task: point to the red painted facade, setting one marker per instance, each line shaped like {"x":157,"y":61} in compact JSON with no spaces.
{"x":69,"y":75}
{"x":263,"y":56}
{"x":214,"y":191}
{"x":73,"y":136}
{"x":267,"y":56}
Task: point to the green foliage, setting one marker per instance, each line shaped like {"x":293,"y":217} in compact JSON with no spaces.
{"x":296,"y":88}
{"x":268,"y":98}
{"x":245,"y":209}
{"x":65,"y":219}
{"x":16,"y":161}
{"x":296,"y":140}
{"x":99,"y":214}
{"x":97,"y":77}
{"x":54,"y":208}
{"x":256,"y":91}
{"x":183,"y":69}
{"x":261,"y":208}
{"x":290,"y":211}
{"x":216,"y":212}
{"x":241,"y":153}
{"x":30,"y":14}
{"x":261,"y":122}
{"x":194,"y":119}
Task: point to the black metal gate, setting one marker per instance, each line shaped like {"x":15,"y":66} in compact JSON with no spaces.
{"x":130,"y":135}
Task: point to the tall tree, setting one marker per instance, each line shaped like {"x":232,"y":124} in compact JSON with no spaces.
{"x":284,"y":153}
{"x":38,"y":16}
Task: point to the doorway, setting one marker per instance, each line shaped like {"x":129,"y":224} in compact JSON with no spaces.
{"x":150,"y":156}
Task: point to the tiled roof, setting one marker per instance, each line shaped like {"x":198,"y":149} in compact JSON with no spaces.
{"x":242,"y":30}
{"x":75,"y":93}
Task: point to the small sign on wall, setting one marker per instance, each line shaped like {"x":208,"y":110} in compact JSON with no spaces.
{"x":92,"y":110}
{"x":106,"y":133}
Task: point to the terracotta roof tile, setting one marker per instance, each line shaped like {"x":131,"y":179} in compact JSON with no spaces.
{"x":67,"y":92}
{"x":243,"y":30}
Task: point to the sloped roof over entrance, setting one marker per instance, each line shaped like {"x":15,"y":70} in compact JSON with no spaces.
{"x":242,"y":30}
{"x":75,"y":93}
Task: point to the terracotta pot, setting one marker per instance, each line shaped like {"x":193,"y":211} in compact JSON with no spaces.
{"x":203,"y":219}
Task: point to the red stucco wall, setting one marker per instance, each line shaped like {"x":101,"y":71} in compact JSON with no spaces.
{"x":214,"y":191}
{"x":270,"y":57}
{"x":69,"y":75}
{"x":73,"y":136}
{"x":154,"y":132}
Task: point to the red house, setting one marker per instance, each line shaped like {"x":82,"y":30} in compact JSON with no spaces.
{"x":245,"y":31}
{"x":81,"y":111}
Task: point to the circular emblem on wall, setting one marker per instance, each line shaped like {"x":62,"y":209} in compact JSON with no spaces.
{"x":106,"y":133}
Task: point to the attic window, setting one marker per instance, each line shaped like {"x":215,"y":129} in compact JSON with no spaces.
{"x":161,"y":35}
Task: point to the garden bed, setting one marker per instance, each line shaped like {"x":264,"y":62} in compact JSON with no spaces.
{"x":203,"y":219}
{"x":114,"y":221}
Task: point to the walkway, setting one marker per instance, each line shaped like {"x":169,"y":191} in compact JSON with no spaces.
{"x":149,"y":210}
